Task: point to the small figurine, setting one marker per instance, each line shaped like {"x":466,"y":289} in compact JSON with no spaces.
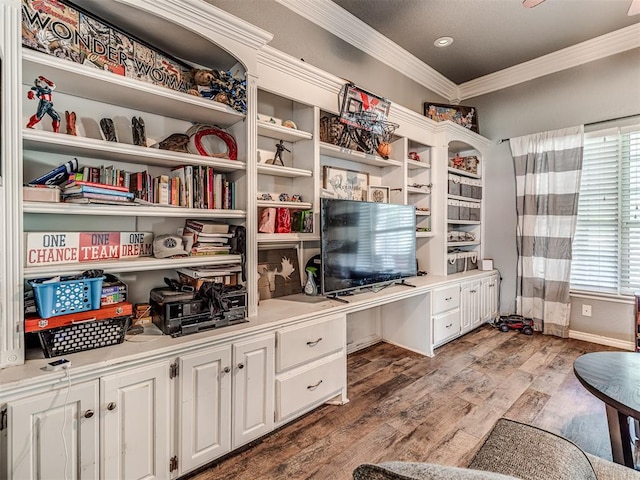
{"x":279,"y":149}
{"x":43,"y":88}
{"x":70,"y":117}
{"x":284,"y":197}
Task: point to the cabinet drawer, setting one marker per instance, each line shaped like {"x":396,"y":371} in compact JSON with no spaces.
{"x":302,"y":390}
{"x":446,"y":325}
{"x":298,"y":345}
{"x":446,"y":298}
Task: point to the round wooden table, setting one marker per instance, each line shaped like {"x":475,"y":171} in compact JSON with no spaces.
{"x":614,"y":377}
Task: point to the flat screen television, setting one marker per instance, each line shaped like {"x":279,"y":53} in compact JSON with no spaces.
{"x":365,"y":244}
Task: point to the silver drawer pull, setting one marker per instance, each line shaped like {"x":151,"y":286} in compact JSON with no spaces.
{"x":313,"y":344}
{"x":313,"y":387}
{"x":472,"y":291}
{"x":447,"y":299}
{"x":449,"y":326}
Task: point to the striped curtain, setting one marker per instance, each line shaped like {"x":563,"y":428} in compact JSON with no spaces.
{"x":547,"y":168}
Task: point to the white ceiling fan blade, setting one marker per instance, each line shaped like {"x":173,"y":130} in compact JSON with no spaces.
{"x":634,"y":8}
{"x":532,"y":3}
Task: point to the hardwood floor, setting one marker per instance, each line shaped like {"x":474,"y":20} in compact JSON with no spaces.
{"x":404,"y":406}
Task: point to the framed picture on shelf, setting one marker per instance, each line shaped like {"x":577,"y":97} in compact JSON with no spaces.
{"x":345,"y":184}
{"x":278,"y":272}
{"x":466,"y":117}
{"x":379,"y":194}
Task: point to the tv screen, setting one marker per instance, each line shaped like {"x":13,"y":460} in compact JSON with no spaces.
{"x":366,"y":243}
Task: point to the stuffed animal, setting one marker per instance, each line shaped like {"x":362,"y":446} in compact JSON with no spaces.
{"x":202,"y":77}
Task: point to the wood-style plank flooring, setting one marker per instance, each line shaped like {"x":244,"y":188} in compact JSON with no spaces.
{"x":404,"y":406}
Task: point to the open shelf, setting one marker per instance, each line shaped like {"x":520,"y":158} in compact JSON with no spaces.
{"x":463,"y":222}
{"x":416,"y":165}
{"x":418,"y":191}
{"x":425,"y":234}
{"x":278,"y":132}
{"x":134,"y":210}
{"x":121,"y":266}
{"x":82,"y":81}
{"x":462,"y":244}
{"x":287,"y":237}
{"x":280,"y":171}
{"x":61,"y":143}
{"x":291,"y":205}
{"x":464,"y":199}
{"x":360,"y":157}
{"x":464,"y":173}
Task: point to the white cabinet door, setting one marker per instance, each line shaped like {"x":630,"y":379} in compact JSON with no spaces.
{"x":253,"y":397}
{"x":470,"y":305}
{"x":54,"y":435}
{"x":204,"y":407}
{"x":489,"y":304}
{"x":135,"y":416}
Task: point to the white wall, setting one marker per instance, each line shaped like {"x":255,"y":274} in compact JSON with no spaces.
{"x":600,"y":90}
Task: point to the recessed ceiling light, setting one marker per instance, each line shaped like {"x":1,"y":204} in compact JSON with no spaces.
{"x":443,"y":42}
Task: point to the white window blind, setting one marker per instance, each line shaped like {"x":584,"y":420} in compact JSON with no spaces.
{"x":606,"y":246}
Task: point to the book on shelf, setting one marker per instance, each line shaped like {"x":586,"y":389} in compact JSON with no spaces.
{"x":75,"y":183}
{"x":98,"y":198}
{"x":206,"y":226}
{"x":58,"y":175}
{"x":89,"y":189}
{"x":207,"y":253}
{"x":214,"y":237}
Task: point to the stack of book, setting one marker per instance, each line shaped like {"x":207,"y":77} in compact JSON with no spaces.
{"x":207,"y":237}
{"x":81,"y":191}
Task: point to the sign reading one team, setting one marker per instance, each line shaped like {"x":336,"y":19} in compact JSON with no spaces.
{"x":48,"y":248}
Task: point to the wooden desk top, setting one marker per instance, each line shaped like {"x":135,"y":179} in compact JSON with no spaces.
{"x":613,"y":377}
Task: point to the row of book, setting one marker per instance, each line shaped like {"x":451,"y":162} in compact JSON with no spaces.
{"x":186,"y":186}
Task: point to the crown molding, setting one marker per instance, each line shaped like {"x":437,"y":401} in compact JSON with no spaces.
{"x":352,"y":30}
{"x":291,"y":66}
{"x":344,"y":25}
{"x":609,"y":44}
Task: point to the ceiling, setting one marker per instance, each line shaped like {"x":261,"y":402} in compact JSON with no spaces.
{"x":489,"y":35}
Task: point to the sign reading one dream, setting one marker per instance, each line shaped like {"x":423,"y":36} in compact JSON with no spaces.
{"x":59,"y":29}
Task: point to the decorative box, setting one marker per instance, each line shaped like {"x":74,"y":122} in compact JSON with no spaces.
{"x":41,"y":193}
{"x":466,"y":188}
{"x":454,"y":184}
{"x":453,"y":209}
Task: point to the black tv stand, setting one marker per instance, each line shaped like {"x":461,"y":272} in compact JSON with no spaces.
{"x":406,"y":284}
{"x":336,"y":297}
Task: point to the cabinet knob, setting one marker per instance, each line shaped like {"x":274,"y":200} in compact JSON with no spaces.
{"x":226,"y":370}
{"x":313,"y":387}
{"x":241,"y":366}
{"x":88,"y":414}
{"x":313,"y":344}
{"x":111,"y":406}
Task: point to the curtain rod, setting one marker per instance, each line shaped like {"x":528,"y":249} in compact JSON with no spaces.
{"x":589,"y":124}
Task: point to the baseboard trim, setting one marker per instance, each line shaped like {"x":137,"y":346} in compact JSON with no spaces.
{"x":599,"y":339}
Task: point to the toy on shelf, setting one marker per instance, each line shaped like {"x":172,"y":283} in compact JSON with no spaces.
{"x":43,"y":88}
{"x":279,"y":149}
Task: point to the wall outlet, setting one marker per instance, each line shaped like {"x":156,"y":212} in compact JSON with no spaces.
{"x":586,"y":310}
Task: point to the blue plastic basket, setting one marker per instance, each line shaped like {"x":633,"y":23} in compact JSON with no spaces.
{"x":70,"y":296}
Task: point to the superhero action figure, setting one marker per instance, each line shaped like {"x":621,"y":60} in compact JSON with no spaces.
{"x":42,"y":89}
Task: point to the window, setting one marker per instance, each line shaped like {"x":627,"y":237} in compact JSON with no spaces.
{"x":606,"y":247}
